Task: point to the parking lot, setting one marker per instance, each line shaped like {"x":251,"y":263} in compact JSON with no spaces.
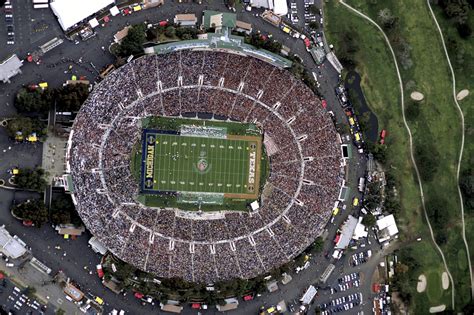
{"x":14,"y":299}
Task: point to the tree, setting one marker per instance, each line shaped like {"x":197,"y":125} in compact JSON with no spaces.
{"x":387,"y":19}
{"x":369,"y":220}
{"x":427,"y":159}
{"x":62,"y":211}
{"x":466,"y":182}
{"x":314,"y":25}
{"x":464,"y":30}
{"x":31,"y":179}
{"x":170,"y":32}
{"x":37,"y":101}
{"x":412,"y":111}
{"x":317,"y":245}
{"x":26,"y":126}
{"x":132,"y":43}
{"x":69,"y":98}
{"x":314,"y":9}
{"x":34,"y":210}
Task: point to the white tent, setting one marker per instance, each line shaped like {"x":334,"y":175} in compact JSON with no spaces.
{"x":93,"y":23}
{"x":71,"y":12}
{"x":114,"y":11}
{"x":280,"y":7}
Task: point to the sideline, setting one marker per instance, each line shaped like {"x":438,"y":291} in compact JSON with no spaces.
{"x":402,"y":101}
{"x":453,"y":78}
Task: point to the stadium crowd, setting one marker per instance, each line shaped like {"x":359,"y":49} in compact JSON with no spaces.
{"x":303,"y":184}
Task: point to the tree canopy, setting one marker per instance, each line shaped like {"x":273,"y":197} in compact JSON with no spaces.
{"x":36,"y":101}
{"x":34,"y":210}
{"x":31,"y":179}
{"x":26,"y":126}
{"x":69,"y":98}
{"x":62,"y":211}
{"x":132,"y":44}
{"x":369,"y":220}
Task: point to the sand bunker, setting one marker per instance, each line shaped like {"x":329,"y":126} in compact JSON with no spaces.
{"x":421,"y":285}
{"x":445,"y":280}
{"x":437,"y":309}
{"x":417,"y":96}
{"x":462,"y":94}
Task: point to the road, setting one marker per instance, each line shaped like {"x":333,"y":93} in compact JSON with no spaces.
{"x":35,"y":27}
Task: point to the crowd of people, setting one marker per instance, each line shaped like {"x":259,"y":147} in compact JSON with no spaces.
{"x":302,"y":186}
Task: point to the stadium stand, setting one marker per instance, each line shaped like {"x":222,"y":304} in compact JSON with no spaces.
{"x":303,"y":184}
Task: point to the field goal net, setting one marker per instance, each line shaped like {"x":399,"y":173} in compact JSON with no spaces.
{"x":200,"y":198}
{"x":203,"y":131}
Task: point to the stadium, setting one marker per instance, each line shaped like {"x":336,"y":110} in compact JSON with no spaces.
{"x":197,"y":96}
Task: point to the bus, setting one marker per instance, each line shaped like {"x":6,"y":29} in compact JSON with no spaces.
{"x":41,"y":6}
{"x":40,"y":1}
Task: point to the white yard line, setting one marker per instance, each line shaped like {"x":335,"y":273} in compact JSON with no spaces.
{"x":402,"y":101}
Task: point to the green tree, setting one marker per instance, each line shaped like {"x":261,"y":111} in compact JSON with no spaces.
{"x":170,"y":31}
{"x":314,"y":9}
{"x":318,"y":245}
{"x":427,"y":159}
{"x":37,"y":101}
{"x":62,"y":211}
{"x":26,"y":126}
{"x":31,"y":179}
{"x":466,"y":182}
{"x":314,"y":25}
{"x":69,"y":98}
{"x":34,"y":210}
{"x":369,"y":220}
{"x":132,"y":43}
{"x":412,"y":111}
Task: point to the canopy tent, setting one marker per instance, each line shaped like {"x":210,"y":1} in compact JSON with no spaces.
{"x":93,"y":23}
{"x":280,"y":7}
{"x":71,"y":12}
{"x":114,"y":11}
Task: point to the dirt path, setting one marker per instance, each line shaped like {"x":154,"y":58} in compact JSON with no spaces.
{"x":410,"y":137}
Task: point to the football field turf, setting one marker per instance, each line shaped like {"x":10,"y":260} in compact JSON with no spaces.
{"x":175,"y":163}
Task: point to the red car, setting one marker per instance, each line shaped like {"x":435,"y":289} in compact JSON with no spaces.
{"x":163,"y":23}
{"x":383,"y":133}
{"x":324,"y":103}
{"x":100,"y":272}
{"x":248,"y":298}
{"x":307,"y":43}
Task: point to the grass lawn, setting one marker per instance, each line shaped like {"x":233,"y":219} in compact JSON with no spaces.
{"x":180,"y":164}
{"x":437,"y":124}
{"x":434,"y":289}
{"x":437,"y":129}
{"x":461,"y":53}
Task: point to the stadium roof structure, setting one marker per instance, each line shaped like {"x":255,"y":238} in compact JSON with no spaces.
{"x":10,"y":246}
{"x":225,"y":42}
{"x":71,"y":12}
{"x":218,"y":20}
{"x":9,"y":68}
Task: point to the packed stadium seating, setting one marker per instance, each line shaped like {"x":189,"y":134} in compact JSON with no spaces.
{"x":303,"y":184}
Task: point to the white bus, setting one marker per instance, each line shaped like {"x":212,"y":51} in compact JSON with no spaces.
{"x":40,"y":6}
{"x":40,"y":1}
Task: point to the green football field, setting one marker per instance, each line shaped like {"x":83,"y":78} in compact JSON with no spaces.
{"x":200,"y":164}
